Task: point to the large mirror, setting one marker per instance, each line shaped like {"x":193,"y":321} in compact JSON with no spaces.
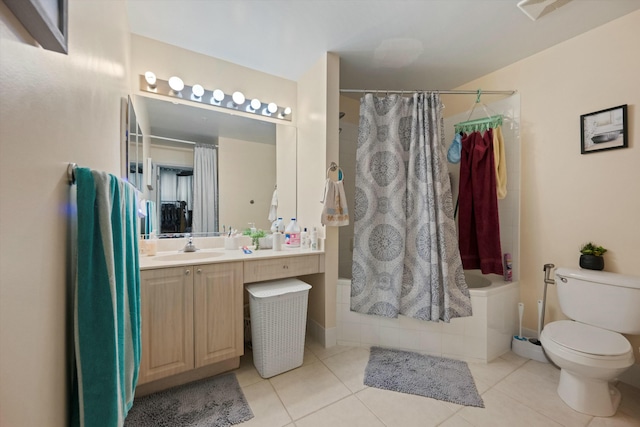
{"x":231,"y":166}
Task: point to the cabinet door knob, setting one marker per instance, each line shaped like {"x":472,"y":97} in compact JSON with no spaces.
{"x":199,"y":270}
{"x":187,"y":272}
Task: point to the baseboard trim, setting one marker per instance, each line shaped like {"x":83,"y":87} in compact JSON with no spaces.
{"x":326,"y":337}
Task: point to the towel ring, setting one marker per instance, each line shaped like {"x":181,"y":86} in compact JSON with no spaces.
{"x":333,"y":167}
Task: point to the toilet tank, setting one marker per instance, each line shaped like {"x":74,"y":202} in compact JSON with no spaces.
{"x":606,"y":300}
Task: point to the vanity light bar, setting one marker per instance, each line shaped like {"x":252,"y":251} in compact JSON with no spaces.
{"x":197,"y":93}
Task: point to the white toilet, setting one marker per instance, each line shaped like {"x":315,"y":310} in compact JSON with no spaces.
{"x":590,"y":349}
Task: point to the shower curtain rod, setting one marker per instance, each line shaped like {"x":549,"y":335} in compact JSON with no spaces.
{"x":446,"y":92}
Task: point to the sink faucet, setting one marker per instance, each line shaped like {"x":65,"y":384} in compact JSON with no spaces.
{"x":189,"y":247}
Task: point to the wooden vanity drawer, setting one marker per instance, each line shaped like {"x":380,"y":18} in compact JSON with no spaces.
{"x":279,"y":268}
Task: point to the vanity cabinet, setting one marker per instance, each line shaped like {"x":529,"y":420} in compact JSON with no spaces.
{"x":218,"y":317}
{"x":191,"y":317}
{"x":279,"y":268}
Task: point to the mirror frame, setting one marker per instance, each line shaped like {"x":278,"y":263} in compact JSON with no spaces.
{"x":133,"y":135}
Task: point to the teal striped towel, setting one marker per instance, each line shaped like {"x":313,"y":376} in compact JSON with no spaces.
{"x":106,"y":300}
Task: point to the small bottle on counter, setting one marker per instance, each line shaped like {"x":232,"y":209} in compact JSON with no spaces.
{"x":277,"y":241}
{"x":508,"y":268}
{"x":305,"y":241}
{"x":314,"y":239}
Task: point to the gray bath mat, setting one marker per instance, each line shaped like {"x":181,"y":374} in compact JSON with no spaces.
{"x":414,"y":373}
{"x":212,"y":402}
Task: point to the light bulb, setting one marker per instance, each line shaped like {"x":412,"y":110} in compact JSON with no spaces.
{"x":218,"y":95}
{"x":272,"y":107}
{"x":150,"y":77}
{"x":255,"y":103}
{"x":238,"y":98}
{"x":197,"y":90}
{"x":176,"y":84}
{"x":287,"y":111}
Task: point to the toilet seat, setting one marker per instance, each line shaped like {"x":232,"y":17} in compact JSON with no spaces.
{"x":588,"y":341}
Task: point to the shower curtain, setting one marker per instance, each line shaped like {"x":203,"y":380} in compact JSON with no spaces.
{"x":205,"y":189}
{"x":106,"y":300}
{"x":405,"y":259}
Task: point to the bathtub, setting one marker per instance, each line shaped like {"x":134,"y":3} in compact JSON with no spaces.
{"x":482,"y":337}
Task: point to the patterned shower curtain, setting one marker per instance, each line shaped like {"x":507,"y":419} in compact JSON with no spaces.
{"x":405,"y":258}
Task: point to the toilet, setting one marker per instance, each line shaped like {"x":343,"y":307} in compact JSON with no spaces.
{"x":589,"y":349}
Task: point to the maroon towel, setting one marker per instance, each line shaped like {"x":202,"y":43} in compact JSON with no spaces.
{"x":479,"y":226}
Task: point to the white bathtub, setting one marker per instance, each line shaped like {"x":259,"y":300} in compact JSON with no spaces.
{"x":482,"y":337}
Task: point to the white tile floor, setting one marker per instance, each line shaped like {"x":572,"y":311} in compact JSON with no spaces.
{"x":328,"y":390}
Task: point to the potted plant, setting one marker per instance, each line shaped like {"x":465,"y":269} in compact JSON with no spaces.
{"x":591,"y":256}
{"x":256,"y":236}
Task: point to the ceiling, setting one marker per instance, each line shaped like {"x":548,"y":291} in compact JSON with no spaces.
{"x":382,"y":44}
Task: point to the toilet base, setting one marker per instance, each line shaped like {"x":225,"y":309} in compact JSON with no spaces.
{"x":587,"y":395}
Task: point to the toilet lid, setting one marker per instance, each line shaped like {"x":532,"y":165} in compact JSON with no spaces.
{"x":587,"y":339}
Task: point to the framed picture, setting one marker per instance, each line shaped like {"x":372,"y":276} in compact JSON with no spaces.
{"x":604,"y":130}
{"x":46,"y":21}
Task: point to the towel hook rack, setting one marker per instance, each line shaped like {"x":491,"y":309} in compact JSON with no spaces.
{"x":71,"y":173}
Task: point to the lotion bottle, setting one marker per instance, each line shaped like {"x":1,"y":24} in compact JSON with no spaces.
{"x":314,"y":239}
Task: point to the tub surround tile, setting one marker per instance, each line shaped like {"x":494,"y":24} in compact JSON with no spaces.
{"x":484,"y":336}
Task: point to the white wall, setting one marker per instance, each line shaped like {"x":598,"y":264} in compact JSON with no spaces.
{"x":569,"y":198}
{"x":54,"y":109}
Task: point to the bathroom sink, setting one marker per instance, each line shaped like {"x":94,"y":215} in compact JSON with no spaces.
{"x":187,"y":256}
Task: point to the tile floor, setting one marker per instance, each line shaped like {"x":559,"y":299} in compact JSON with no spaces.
{"x":328,"y":390}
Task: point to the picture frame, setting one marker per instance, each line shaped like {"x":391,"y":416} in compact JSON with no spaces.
{"x":604,"y":130}
{"x":45,"y":20}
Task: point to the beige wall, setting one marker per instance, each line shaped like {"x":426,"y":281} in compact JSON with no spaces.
{"x":54,"y":109}
{"x":318,"y":93}
{"x":166,"y":60}
{"x":246,"y":172}
{"x":569,"y":198}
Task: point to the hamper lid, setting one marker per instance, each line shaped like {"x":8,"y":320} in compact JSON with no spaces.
{"x":277,"y":287}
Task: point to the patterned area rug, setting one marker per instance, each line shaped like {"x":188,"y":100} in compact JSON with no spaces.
{"x":212,"y":402}
{"x":413,"y":373}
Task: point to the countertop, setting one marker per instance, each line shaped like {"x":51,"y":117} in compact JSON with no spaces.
{"x":216,"y":255}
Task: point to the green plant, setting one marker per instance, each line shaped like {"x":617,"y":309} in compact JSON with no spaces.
{"x":255,"y":236}
{"x":592,"y":249}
